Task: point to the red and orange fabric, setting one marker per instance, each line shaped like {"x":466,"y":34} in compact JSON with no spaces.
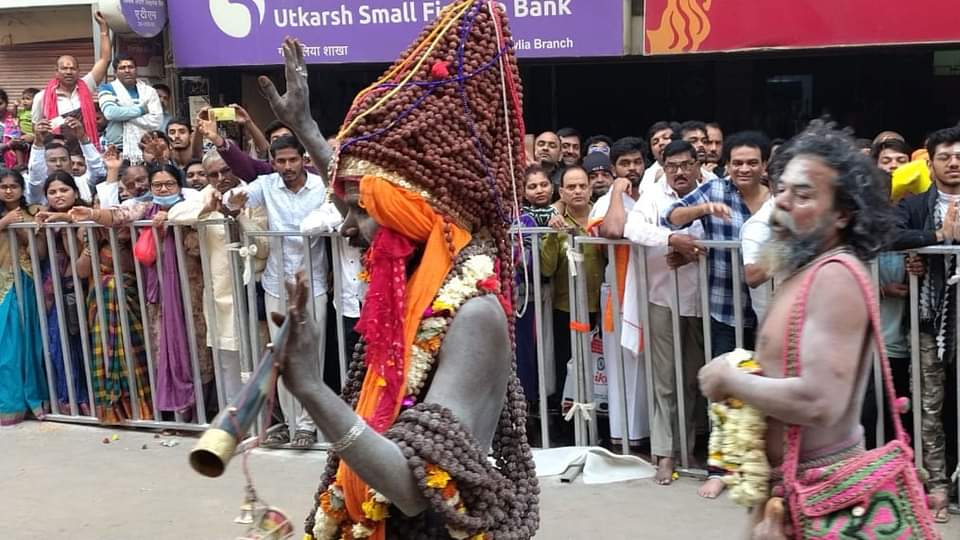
{"x":621,"y":263}
{"x":405,"y":214}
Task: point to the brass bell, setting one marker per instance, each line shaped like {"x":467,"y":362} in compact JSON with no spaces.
{"x":246,"y":509}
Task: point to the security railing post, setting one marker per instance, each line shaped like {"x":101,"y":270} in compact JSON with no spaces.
{"x":191,"y":327}
{"x":307,"y":243}
{"x":538,"y":330}
{"x":17,"y":278}
{"x":956,"y":341}
{"x":252,"y":306}
{"x":679,"y":372}
{"x":587,"y":394}
{"x":879,"y":389}
{"x":915,"y":390}
{"x":129,"y":356}
{"x":644,"y":292}
{"x":240,"y":320}
{"x":67,"y":357}
{"x":144,"y":317}
{"x":705,"y":308}
{"x":618,"y":351}
{"x":81,"y":303}
{"x":210,"y":308}
{"x":343,"y":355}
{"x":97,"y":277}
{"x":573,"y":306}
{"x":738,"y":318}
{"x":42,"y":316}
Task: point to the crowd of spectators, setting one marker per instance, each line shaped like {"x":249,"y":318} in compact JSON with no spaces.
{"x":113,"y":153}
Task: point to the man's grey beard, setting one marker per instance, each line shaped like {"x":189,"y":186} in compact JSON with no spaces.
{"x":784,"y":256}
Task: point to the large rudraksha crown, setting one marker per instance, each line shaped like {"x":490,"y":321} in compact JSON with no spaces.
{"x":445,"y":120}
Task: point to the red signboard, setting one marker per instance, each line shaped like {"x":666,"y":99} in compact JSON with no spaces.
{"x":680,"y":26}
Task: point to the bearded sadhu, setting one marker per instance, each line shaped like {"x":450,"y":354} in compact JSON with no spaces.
{"x":427,"y":169}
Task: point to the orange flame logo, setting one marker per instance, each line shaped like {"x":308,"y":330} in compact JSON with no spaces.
{"x":684,"y":25}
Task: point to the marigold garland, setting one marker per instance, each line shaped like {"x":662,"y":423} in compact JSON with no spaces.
{"x":738,"y":444}
{"x":476,"y":275}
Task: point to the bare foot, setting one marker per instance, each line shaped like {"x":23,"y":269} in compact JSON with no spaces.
{"x":939,"y":505}
{"x":712,"y":488}
{"x":664,"y":471}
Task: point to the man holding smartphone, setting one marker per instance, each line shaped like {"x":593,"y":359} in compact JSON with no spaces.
{"x":65,"y":92}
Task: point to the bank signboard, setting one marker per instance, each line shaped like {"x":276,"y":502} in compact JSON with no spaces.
{"x":685,"y":26}
{"x":209,"y":33}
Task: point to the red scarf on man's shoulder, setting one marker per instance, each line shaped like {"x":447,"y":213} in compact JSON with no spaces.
{"x":51,"y":110}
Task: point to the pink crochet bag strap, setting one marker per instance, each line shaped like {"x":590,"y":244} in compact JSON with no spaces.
{"x":792,"y":362}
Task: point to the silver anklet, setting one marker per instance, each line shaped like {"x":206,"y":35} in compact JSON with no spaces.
{"x":351,"y":436}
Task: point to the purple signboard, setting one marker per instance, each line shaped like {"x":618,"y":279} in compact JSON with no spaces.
{"x":249,"y":32}
{"x":144,"y":17}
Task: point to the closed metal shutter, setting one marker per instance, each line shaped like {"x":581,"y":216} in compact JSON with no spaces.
{"x":34,"y":64}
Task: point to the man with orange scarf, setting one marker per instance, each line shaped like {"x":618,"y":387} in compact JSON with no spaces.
{"x":65,"y":94}
{"x":428,"y":165}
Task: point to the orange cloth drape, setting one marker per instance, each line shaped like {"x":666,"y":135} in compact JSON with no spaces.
{"x":410,"y":215}
{"x":622,"y":256}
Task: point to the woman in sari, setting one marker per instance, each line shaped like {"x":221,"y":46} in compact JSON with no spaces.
{"x":111,"y":361}
{"x":62,"y":196}
{"x":23,"y":387}
{"x":174,"y":373}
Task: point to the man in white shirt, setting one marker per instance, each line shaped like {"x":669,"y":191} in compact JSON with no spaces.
{"x":754,"y":233}
{"x":609,"y":214}
{"x":327,"y":219}
{"x":222,"y":334}
{"x":667,"y":251}
{"x":55,"y":156}
{"x":289,"y":195}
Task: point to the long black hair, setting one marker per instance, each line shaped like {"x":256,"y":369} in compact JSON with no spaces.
{"x":66,"y":178}
{"x":18,"y":178}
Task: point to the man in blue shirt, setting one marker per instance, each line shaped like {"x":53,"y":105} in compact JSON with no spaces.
{"x":723,"y":205}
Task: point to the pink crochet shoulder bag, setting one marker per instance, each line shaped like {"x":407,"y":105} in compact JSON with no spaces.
{"x":876,"y":494}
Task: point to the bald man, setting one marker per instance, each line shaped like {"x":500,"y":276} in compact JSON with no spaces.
{"x":68,"y":98}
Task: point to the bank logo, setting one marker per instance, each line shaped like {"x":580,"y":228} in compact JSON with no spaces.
{"x":233,"y":18}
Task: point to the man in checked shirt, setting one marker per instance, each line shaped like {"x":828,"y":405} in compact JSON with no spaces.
{"x":723,"y":205}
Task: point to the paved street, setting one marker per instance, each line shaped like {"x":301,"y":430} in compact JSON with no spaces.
{"x":62,"y":481}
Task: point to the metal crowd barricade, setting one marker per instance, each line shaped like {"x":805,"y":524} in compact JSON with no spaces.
{"x":246,"y":322}
{"x":584,"y":432}
{"x":313,"y":243}
{"x":534,"y":280}
{"x":66,"y":254}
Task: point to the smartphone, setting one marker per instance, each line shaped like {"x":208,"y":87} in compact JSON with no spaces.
{"x":62,"y":119}
{"x":224,"y":114}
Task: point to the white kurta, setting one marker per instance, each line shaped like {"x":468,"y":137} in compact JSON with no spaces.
{"x":214,"y":237}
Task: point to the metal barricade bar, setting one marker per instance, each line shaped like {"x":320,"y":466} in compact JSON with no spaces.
{"x":66,"y":356}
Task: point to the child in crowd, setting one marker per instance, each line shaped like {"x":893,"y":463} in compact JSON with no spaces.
{"x":24,"y":114}
{"x":9,"y":133}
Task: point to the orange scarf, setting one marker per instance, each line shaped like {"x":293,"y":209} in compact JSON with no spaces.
{"x":410,"y":215}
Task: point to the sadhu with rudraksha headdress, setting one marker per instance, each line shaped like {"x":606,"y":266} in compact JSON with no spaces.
{"x":427,"y":167}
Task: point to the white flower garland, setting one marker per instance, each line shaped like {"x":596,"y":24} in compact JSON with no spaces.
{"x":738,"y":442}
{"x":454,"y":293}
